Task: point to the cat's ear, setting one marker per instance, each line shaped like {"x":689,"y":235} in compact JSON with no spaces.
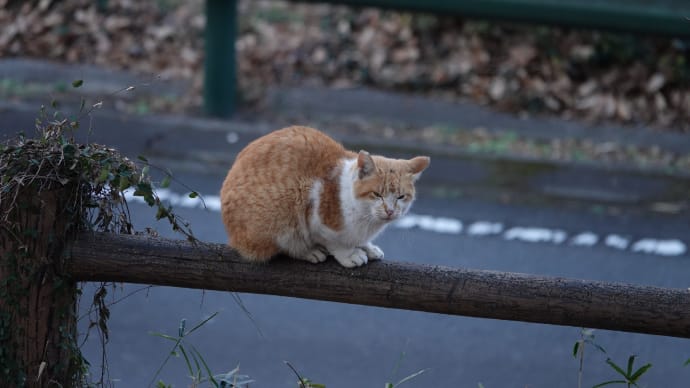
{"x":365,"y":164}
{"x":417,"y":165}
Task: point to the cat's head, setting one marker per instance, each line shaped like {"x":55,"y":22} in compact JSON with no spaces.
{"x":386,"y":186}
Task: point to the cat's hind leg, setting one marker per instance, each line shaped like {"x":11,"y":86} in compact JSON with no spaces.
{"x":257,"y":250}
{"x":298,"y":247}
{"x":318,"y":254}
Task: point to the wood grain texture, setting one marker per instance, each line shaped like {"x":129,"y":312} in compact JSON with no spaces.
{"x":455,"y":291}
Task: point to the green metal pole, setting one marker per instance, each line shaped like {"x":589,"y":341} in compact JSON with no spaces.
{"x":102,"y":5}
{"x":220,"y":64}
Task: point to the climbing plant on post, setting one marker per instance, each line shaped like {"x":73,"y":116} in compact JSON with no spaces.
{"x":52,"y":188}
{"x":40,"y":210}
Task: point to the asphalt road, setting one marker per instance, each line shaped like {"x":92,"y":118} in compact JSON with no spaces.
{"x":355,"y":346}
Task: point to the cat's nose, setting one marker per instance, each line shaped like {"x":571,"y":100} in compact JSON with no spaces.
{"x":389,"y":212}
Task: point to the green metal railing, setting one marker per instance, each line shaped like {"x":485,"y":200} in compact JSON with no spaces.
{"x":651,"y":17}
{"x":658,"y":17}
{"x":661,"y":17}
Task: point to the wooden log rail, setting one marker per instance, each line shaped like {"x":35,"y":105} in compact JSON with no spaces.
{"x":487,"y":294}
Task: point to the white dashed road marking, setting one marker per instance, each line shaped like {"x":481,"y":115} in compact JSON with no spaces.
{"x":481,"y":228}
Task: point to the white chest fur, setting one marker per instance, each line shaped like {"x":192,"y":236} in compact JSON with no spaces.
{"x":359,"y":226}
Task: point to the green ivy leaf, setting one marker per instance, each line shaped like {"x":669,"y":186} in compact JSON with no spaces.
{"x":193,"y":194}
{"x":69,"y":149}
{"x":142,"y":189}
{"x":77,"y":83}
{"x":146,"y":191}
{"x":162,"y":212}
{"x":165,"y":183}
{"x":124,"y":183}
{"x":103,"y":175}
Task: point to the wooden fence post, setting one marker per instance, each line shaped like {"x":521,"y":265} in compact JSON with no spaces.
{"x":37,"y":303}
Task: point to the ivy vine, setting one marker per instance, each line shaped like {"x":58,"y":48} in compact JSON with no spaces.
{"x":93,"y":179}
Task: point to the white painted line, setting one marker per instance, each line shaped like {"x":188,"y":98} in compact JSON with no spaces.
{"x":484,"y":228}
{"x":586,"y":239}
{"x":213,"y":203}
{"x":659,"y":247}
{"x":616,"y":241}
{"x":407,"y":222}
{"x":442,"y":225}
{"x":480,"y":228}
{"x":531,"y":234}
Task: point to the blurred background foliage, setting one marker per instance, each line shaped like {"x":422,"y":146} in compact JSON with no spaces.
{"x":524,"y":69}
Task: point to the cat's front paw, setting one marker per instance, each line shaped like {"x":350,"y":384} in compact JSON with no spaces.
{"x":351,"y":258}
{"x":373,"y":252}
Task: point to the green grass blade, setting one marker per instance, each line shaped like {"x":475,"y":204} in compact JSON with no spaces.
{"x":164,"y":336}
{"x":196,"y":364}
{"x":302,"y":382}
{"x":631,"y":361}
{"x":687,"y":362}
{"x":616,"y":367}
{"x":640,"y":372}
{"x":228,"y":375}
{"x":397,"y":364}
{"x":410,"y":377}
{"x":186,"y":360}
{"x":198,"y":325}
{"x":236,"y":297}
{"x":610,"y":382}
{"x":180,"y":329}
{"x":234,"y":378}
{"x":160,"y":368}
{"x":208,"y":370}
{"x":576,"y":347}
{"x":601,"y":348}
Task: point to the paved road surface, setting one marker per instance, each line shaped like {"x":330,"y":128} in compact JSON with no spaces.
{"x":356,"y":346}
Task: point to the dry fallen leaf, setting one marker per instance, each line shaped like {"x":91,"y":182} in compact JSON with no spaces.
{"x":522,"y":69}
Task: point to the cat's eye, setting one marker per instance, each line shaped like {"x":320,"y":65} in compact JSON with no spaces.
{"x":375,"y":195}
{"x":402,"y":196}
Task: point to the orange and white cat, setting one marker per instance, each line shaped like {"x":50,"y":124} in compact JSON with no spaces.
{"x":299,"y":192}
